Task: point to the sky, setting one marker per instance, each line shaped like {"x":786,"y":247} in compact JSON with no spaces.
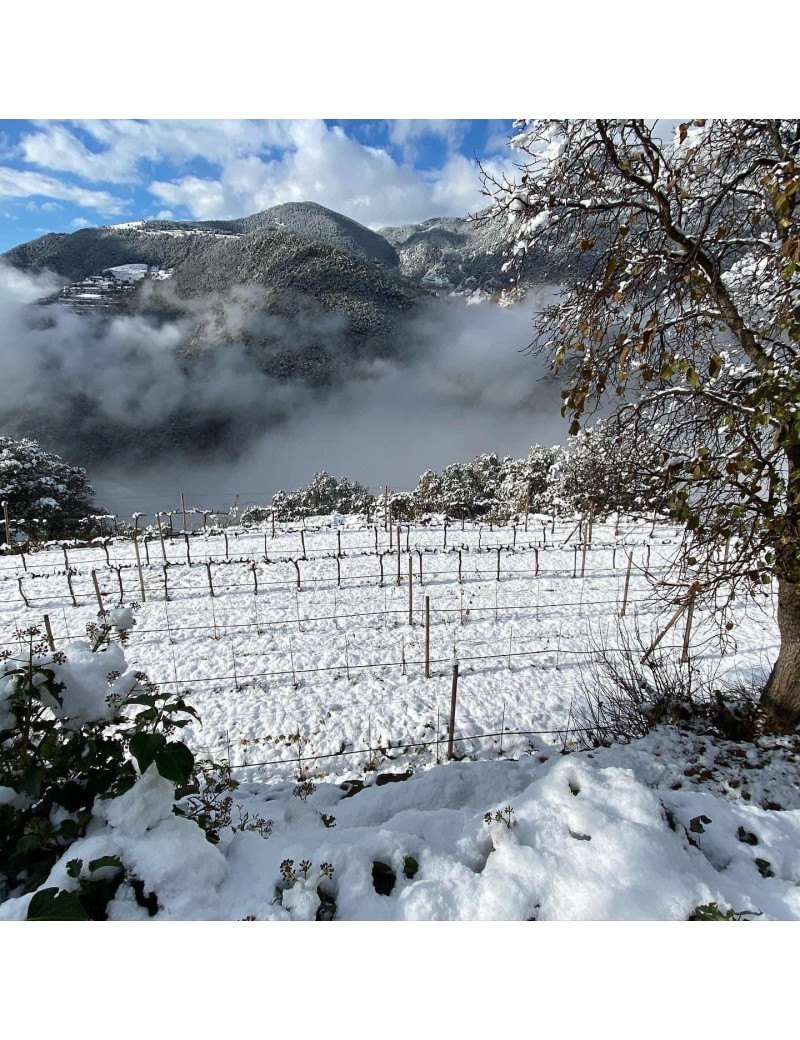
{"x":63,"y":175}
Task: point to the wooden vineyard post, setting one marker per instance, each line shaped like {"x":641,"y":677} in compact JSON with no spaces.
{"x":459,"y":565}
{"x":272,"y":516}
{"x":338,"y":544}
{"x":514,"y":538}
{"x":338,"y":572}
{"x":210,"y":582}
{"x":49,"y":631}
{"x":498,"y":563}
{"x":386,"y":508}
{"x":627,"y":584}
{"x":666,"y":629}
{"x":161,"y":536}
{"x":583,"y":560}
{"x":419,"y":553}
{"x":166,"y":584}
{"x":398,"y":555}
{"x":536,"y":562}
{"x":376,"y":539}
{"x":410,"y":591}
{"x":445,"y":535}
{"x":427,"y":637}
{"x":100,"y":606}
{"x":574,"y":561}
{"x":687,"y":635}
{"x":452,"y":726}
{"x":8,"y":526}
{"x":183,"y":510}
{"x":591,"y":525}
{"x":139,"y":566}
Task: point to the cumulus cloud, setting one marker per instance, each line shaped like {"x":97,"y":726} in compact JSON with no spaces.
{"x":249,"y":165}
{"x":24,"y":183}
{"x":323,"y":164}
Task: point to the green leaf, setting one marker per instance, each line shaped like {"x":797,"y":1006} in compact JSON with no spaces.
{"x":144,"y":747}
{"x":74,"y":868}
{"x":575,"y":427}
{"x":105,"y":861}
{"x":52,"y":905}
{"x":175,"y":762}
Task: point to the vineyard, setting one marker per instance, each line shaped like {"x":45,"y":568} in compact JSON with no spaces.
{"x":328,"y":647}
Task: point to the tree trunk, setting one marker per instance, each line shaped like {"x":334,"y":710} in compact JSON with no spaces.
{"x":782,"y":693}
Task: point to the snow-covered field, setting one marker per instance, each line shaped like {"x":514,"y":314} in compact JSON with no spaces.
{"x":324,"y":684}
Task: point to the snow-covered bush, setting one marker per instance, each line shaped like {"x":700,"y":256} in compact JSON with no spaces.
{"x":77,"y":728}
{"x":40,"y":486}
{"x":325,"y":494}
{"x":602,"y":472}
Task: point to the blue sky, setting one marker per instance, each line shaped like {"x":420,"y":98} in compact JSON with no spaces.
{"x":63,"y":175}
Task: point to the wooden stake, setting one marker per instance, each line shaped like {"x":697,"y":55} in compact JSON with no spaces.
{"x":398,"y":555}
{"x":338,"y":573}
{"x":668,"y":626}
{"x":498,"y":563}
{"x":338,"y":544}
{"x":453,"y":696}
{"x":445,"y":534}
{"x":688,"y":631}
{"x":183,"y":510}
{"x":8,"y":527}
{"x":386,"y":508}
{"x":161,"y":536}
{"x":139,"y":566}
{"x":49,"y":631}
{"x":410,"y":591}
{"x":583,"y":560}
{"x":627,"y":584}
{"x":419,"y":553}
{"x":459,"y":565}
{"x":427,"y":637}
{"x":166,"y":584}
{"x":100,"y":606}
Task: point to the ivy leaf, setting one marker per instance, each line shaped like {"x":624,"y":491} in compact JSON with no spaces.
{"x":175,"y":762}
{"x":144,"y":747}
{"x":52,"y":905}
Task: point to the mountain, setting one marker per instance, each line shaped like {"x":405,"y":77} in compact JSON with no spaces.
{"x":304,"y":298}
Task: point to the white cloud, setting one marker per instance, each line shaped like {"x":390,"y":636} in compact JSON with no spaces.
{"x":80,"y":222}
{"x":324,"y":165}
{"x":18,"y":184}
{"x":124,"y":144}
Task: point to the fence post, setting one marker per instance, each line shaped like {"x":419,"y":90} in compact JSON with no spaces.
{"x":688,"y":632}
{"x":410,"y":591}
{"x":427,"y":637}
{"x":161,"y":536}
{"x":183,"y":510}
{"x":583,"y":559}
{"x":453,"y":696}
{"x":398,"y":555}
{"x":498,"y":563}
{"x":338,"y":543}
{"x":627,"y":583}
{"x":139,"y":565}
{"x":338,"y":573}
{"x":101,"y":608}
{"x":49,"y":632}
{"x":459,"y":565}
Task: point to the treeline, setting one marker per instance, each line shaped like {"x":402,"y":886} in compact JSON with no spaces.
{"x":599,"y":473}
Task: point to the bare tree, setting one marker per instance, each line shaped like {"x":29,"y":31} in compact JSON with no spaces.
{"x":684,"y":309}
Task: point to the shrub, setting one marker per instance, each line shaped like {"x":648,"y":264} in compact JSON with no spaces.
{"x":75,"y":726}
